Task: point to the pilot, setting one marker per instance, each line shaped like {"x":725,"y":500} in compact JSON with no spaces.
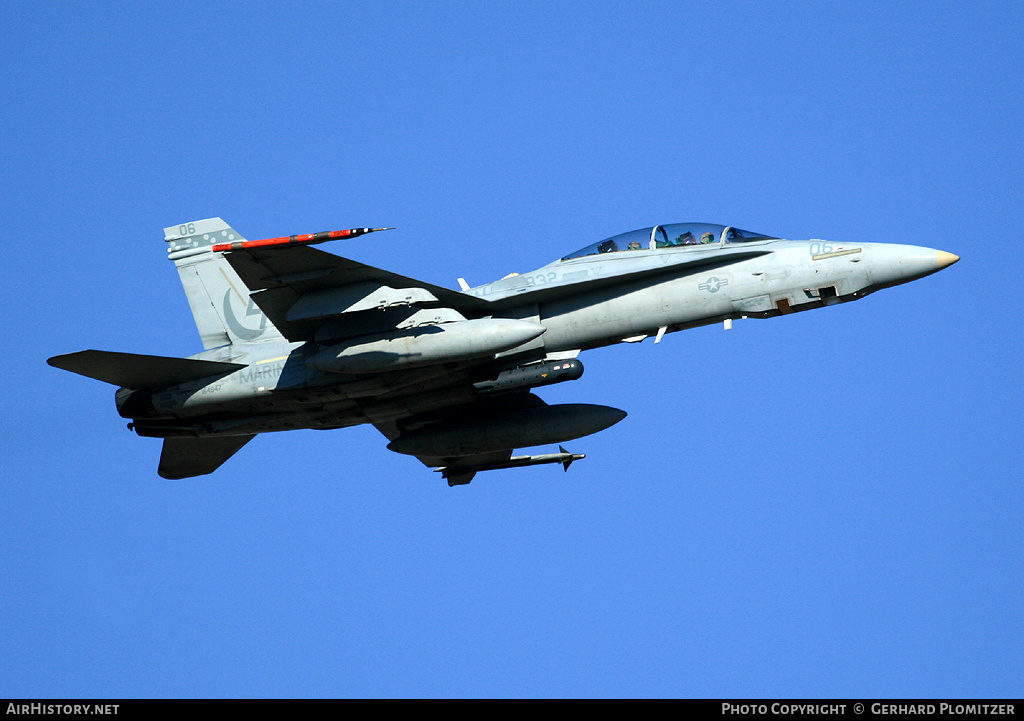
{"x":686,"y":239}
{"x":635,"y":245}
{"x":706,"y":238}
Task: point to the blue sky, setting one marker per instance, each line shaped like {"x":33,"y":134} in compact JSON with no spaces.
{"x":826,"y":504}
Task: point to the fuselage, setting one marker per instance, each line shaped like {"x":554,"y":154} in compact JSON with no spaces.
{"x":582,"y":302}
{"x":663,"y":288}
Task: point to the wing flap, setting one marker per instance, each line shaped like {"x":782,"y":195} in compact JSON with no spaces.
{"x":188,"y":457}
{"x":131,"y":370}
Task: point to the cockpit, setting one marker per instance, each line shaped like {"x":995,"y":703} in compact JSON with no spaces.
{"x":670,"y":236}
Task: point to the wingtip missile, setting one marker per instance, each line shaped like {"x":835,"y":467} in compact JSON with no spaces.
{"x":307,"y":239}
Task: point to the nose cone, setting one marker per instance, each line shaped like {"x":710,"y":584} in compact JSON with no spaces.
{"x":944,"y":259}
{"x":895,"y":264}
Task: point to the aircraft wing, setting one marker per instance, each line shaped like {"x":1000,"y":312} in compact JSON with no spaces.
{"x":299,"y":288}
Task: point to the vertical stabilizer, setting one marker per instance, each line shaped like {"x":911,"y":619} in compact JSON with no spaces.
{"x":220,"y":302}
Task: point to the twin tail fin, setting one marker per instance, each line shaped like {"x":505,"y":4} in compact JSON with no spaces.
{"x":220,"y":302}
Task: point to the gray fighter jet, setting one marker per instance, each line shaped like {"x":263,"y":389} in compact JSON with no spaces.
{"x":299,"y":338}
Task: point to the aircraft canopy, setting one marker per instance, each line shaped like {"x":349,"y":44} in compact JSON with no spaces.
{"x":670,"y":236}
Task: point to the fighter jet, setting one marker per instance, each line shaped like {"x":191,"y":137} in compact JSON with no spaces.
{"x":298,"y":338}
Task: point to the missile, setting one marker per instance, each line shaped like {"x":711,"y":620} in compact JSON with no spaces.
{"x":565,"y":458}
{"x":519,"y":428}
{"x":460,"y":475}
{"x":426,"y":345}
{"x":308,"y":239}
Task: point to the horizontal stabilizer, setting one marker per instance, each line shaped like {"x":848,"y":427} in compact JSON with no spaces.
{"x":187,"y":457}
{"x":131,"y":370}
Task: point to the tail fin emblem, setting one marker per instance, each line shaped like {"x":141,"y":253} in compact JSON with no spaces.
{"x":236,"y":327}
